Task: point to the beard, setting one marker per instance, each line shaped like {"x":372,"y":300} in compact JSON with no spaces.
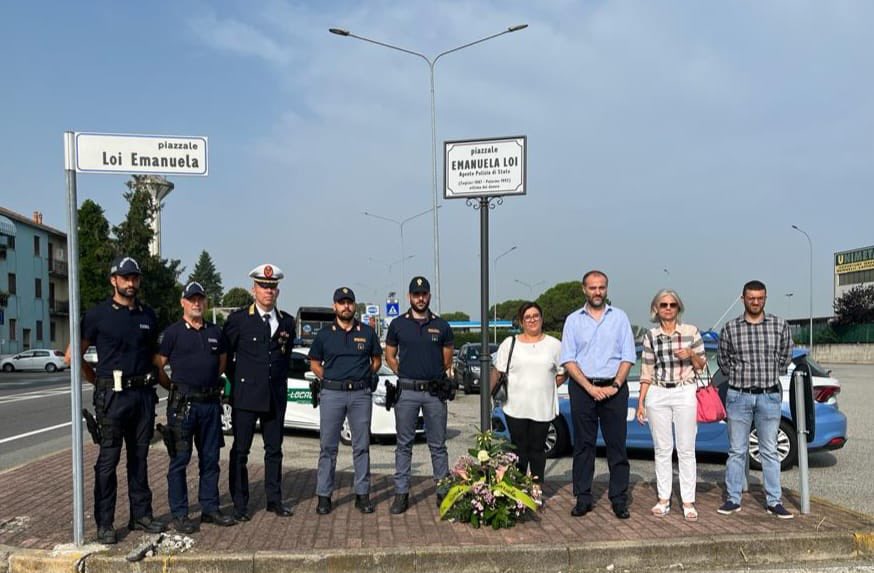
{"x":420,"y":305}
{"x":346,"y":314}
{"x":129,"y":292}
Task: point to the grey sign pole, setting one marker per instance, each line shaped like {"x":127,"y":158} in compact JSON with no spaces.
{"x":75,"y":340}
{"x":485,"y":359}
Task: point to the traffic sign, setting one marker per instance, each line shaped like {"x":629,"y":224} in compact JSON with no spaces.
{"x":371,"y":309}
{"x":392,"y":309}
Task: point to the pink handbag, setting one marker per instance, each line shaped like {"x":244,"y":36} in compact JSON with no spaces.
{"x":710,"y":408}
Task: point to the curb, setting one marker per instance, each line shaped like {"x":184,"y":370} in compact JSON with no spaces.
{"x":711,"y":552}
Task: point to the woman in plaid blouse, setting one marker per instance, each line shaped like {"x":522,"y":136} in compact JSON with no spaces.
{"x":672,"y":353}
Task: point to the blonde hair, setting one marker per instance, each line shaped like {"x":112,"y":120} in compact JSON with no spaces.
{"x":654,"y":305}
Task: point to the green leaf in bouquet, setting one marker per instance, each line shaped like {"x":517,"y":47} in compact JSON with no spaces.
{"x":453,"y":495}
{"x":516,"y":494}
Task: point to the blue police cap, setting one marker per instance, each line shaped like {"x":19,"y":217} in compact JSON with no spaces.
{"x":124,"y":266}
{"x":193,"y":288}
{"x":344,"y":293}
{"x":419,"y":284}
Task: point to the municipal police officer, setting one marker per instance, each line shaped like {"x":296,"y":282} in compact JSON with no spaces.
{"x":425,"y":342}
{"x":345,"y":356}
{"x":259,"y":339}
{"x":124,"y":330}
{"x":195,"y":352}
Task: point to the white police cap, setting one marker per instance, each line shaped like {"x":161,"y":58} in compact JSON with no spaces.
{"x":267,"y":273}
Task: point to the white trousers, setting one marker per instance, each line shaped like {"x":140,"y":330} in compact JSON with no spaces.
{"x":669,"y":410}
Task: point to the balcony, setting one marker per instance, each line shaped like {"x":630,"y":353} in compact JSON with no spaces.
{"x":57,"y":268}
{"x":59,"y":307}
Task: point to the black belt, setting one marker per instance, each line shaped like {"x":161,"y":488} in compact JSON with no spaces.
{"x":347,"y":385}
{"x":417,"y":385}
{"x":203,"y":395}
{"x":768,"y":390}
{"x":129,"y":382}
{"x":671,"y":384}
{"x":602,"y":382}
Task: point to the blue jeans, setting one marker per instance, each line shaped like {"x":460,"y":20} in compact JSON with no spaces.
{"x":744,"y":410}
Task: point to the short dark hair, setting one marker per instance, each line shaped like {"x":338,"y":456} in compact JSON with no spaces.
{"x":595,"y":272}
{"x":524,"y":308}
{"x":754,"y":285}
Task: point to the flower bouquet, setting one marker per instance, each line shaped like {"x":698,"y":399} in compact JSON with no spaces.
{"x":486,"y":488}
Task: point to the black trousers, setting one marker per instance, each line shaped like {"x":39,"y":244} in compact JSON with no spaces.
{"x":529,"y":438}
{"x":272,"y":423}
{"x":130,"y":421}
{"x":610,"y":414}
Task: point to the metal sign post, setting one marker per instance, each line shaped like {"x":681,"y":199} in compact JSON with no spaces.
{"x":483,"y":171}
{"x":109,"y":153}
{"x":802,"y":409}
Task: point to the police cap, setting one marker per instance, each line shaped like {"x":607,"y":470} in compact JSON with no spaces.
{"x":193,"y":289}
{"x":267,"y":274}
{"x":344,"y":293}
{"x":419,"y":285}
{"x":124,"y":266}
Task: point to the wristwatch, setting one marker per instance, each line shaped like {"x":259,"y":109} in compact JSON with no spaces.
{"x":617,"y":386}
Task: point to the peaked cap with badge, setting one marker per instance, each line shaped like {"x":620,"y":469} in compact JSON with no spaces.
{"x":267,"y":273}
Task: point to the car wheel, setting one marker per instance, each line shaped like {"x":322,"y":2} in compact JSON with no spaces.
{"x":346,"y":433}
{"x":51,"y":367}
{"x":558,"y":439}
{"x":787,"y":447}
{"x":8,"y":368}
{"x":227,"y":424}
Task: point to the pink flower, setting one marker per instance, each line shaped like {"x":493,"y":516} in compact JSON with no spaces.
{"x":499,"y":473}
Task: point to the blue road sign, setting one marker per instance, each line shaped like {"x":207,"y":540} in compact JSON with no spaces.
{"x":392,"y":309}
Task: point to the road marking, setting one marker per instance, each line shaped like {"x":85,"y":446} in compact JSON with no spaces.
{"x":36,"y":394}
{"x":42,"y":430}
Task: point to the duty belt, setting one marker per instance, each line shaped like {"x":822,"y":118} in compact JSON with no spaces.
{"x":601,"y":382}
{"x":346,"y":385}
{"x":201,"y":395}
{"x":126,"y":383}
{"x":768,"y":390}
{"x":417,"y":385}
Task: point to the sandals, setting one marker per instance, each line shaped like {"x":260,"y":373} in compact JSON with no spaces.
{"x":690,"y":513}
{"x":661,"y":509}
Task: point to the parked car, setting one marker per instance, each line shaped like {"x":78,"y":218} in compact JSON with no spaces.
{"x":466,"y":366}
{"x":38,"y":359}
{"x":90,"y":355}
{"x":300,"y":414}
{"x":830,"y":431}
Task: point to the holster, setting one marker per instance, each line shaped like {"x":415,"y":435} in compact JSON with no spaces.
{"x":92,"y":426}
{"x":109,"y":432}
{"x":172,"y":433}
{"x":392,"y":393}
{"x":315,"y":392}
{"x":168,"y":435}
{"x":443,"y":389}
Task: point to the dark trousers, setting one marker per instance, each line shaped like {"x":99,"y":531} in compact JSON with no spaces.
{"x":611,"y":414}
{"x":129,"y":421}
{"x":202,"y":427}
{"x":244,"y":431}
{"x":529,"y":438}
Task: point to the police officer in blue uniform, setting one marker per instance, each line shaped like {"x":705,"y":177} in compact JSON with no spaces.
{"x":346,"y":357}
{"x":419,"y":350}
{"x":258,"y":340}
{"x":124,"y":330}
{"x":195,"y":351}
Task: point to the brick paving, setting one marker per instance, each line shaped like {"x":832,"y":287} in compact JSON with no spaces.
{"x":36,"y":512}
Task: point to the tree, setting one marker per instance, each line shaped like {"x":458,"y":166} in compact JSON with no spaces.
{"x":558,"y":302}
{"x":856,"y":306}
{"x":456,"y":315}
{"x":237,"y":297}
{"x":507,"y":310}
{"x":209,"y":278}
{"x":96,"y":251}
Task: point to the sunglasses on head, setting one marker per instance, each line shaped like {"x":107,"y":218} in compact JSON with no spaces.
{"x":668,"y":305}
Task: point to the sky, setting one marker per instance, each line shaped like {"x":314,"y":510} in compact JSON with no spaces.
{"x":670,"y":144}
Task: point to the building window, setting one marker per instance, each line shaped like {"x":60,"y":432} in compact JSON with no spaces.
{"x":37,"y":288}
{"x":36,"y":245}
{"x":53,"y":330}
{"x":12,"y":329}
{"x":10,"y":243}
{"x":25,"y":339}
{"x":13,"y":287}
{"x":39,"y":331}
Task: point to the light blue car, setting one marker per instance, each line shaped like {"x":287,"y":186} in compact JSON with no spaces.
{"x":830,"y":430}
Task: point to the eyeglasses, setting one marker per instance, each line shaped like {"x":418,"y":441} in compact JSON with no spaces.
{"x":531,"y":318}
{"x":668,"y":305}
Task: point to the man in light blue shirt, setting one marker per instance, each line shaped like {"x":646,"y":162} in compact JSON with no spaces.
{"x":597,"y":349}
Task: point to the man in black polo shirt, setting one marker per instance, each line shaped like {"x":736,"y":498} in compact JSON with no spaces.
{"x":125,"y":333}
{"x":195,"y":351}
{"x":425,"y":343}
{"x":345,"y":356}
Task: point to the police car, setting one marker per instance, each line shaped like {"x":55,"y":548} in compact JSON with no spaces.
{"x":300,"y":414}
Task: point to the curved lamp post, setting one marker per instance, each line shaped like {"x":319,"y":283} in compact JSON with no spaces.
{"x":810,"y":245}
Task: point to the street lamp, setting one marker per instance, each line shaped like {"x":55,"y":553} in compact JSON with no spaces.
{"x":389,"y":265}
{"x":530,"y":286}
{"x":431,"y":63}
{"x":789,"y":296}
{"x":400,"y":225}
{"x":495,"y":284}
{"x":810,"y":245}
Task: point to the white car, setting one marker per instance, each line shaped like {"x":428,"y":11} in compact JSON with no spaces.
{"x":38,"y":359}
{"x":90,"y":355}
{"x":300,"y":414}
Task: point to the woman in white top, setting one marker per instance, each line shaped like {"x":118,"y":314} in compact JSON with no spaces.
{"x":532,"y":380}
{"x":672,"y":352}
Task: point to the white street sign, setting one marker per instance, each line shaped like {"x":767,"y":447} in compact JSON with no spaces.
{"x":372,"y":309}
{"x":156,"y":154}
{"x":485,"y":167}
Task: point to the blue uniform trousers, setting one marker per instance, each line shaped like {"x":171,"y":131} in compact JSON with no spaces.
{"x":406,"y":413}
{"x":272,"y":424}
{"x":611,"y":414}
{"x":128,"y":417}
{"x":334,"y":407}
{"x":202,"y":427}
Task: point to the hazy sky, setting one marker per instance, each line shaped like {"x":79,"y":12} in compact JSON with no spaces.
{"x":669,"y":143}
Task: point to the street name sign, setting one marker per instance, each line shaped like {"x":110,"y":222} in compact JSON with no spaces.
{"x":485,"y":167}
{"x":155,"y":154}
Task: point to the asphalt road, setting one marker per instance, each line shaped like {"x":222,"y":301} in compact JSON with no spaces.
{"x":35,"y":415}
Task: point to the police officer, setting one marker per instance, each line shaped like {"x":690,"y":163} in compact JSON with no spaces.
{"x":346,"y":357}
{"x":125,"y":332}
{"x":259,"y":339}
{"x":195,"y":352}
{"x":425,"y":343}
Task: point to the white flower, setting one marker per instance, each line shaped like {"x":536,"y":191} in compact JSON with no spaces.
{"x":482,"y":456}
